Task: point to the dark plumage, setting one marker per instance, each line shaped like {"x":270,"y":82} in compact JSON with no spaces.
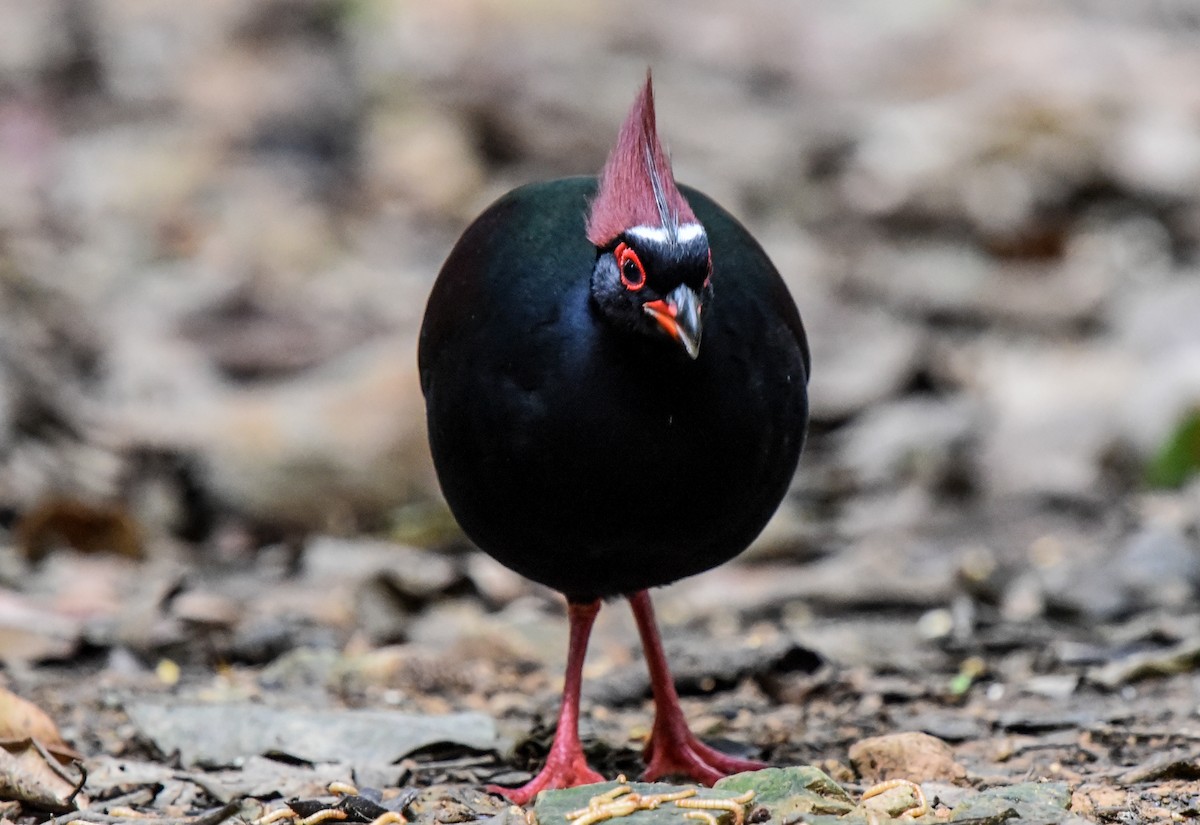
{"x":611,"y":415}
{"x":593,"y":459}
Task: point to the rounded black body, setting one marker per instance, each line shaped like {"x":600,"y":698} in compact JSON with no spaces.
{"x":591,"y":459}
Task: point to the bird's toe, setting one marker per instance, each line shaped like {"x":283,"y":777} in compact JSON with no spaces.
{"x":558,"y":773}
{"x":688,"y":756}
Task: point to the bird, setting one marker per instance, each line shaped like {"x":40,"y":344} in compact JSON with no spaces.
{"x":615,"y":378}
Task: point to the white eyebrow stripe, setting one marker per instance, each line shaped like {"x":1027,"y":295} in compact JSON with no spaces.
{"x":685,"y":233}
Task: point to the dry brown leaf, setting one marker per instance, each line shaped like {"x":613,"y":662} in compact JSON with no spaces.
{"x":29,"y":774}
{"x":87,"y":527}
{"x":21,"y":720}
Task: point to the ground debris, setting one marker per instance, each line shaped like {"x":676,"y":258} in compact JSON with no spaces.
{"x":261,"y":777}
{"x":1183,"y":765}
{"x":1179,"y":658}
{"x":215,"y":816}
{"x":351,"y":806}
{"x":803,"y":794}
{"x":225,"y":733}
{"x":701,"y":666}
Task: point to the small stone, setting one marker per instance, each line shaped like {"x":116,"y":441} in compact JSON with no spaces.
{"x":1090,"y":799}
{"x":789,"y":792}
{"x":1052,"y":685}
{"x":1023,"y":600}
{"x":1160,"y":566}
{"x":1032,"y":801}
{"x":935,"y":624}
{"x":915,"y":756}
{"x":204,"y":608}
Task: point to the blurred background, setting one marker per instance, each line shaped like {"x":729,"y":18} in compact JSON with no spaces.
{"x":219,"y":222}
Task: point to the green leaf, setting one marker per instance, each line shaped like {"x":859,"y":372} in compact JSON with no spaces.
{"x":1179,"y":458}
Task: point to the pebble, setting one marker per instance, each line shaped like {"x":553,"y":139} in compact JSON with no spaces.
{"x":206,"y":608}
{"x":915,"y":756}
{"x":1160,"y":566}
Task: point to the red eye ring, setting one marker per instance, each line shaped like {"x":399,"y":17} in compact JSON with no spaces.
{"x":633,"y":274}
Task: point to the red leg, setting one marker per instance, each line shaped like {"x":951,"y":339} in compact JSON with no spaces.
{"x":565,"y":765}
{"x":673,"y":749}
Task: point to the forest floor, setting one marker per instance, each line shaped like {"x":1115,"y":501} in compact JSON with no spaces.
{"x":197,"y":683}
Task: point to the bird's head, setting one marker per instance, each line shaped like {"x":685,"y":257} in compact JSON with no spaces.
{"x":653,"y":265}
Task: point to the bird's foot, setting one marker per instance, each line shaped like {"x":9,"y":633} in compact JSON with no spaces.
{"x":563,"y":769}
{"x":673,"y":750}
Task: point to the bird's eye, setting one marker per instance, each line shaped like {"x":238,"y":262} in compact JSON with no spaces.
{"x":633,"y":275}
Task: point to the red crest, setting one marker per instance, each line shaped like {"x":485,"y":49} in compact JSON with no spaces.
{"x":636,"y":185}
